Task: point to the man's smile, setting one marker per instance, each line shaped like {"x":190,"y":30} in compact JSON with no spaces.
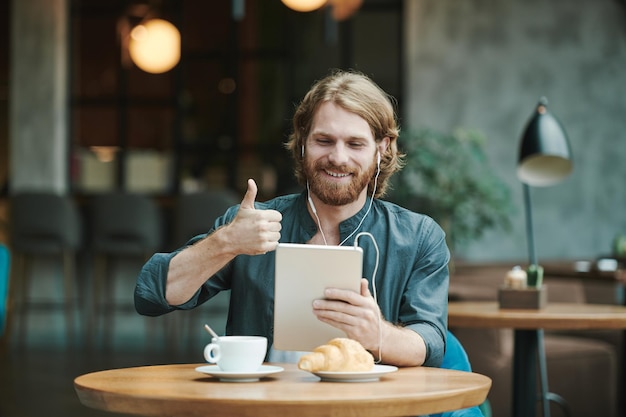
{"x":337,"y":174}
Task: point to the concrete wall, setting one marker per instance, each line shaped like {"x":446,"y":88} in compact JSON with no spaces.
{"x":38,"y":95}
{"x":484,"y":64}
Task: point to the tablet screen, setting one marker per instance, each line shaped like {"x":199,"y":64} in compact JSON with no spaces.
{"x":302,"y":273}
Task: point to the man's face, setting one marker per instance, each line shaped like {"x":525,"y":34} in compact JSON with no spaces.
{"x":340,"y":155}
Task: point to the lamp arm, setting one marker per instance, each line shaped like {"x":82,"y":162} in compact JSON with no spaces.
{"x":530,"y":235}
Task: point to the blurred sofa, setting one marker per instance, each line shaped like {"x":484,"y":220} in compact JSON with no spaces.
{"x":583,"y":366}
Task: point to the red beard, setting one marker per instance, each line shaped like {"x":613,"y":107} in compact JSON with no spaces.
{"x":332,"y":193}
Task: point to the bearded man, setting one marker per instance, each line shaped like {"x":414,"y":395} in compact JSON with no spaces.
{"x":344,"y":146}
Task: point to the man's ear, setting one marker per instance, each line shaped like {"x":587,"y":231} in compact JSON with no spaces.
{"x":383,"y":145}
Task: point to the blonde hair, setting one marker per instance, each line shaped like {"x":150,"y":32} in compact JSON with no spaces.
{"x":358,"y":94}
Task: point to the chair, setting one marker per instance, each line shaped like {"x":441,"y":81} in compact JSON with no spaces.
{"x":4,"y":286}
{"x":122,"y":225}
{"x":44,"y":224}
{"x":195,"y":213}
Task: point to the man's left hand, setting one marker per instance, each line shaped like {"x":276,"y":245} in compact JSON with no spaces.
{"x":357,"y":315}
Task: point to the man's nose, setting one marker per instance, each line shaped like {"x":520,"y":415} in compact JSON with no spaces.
{"x":339,"y":155}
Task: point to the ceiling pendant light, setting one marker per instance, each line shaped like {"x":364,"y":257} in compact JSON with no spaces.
{"x":154,"y":46}
{"x":304,"y":5}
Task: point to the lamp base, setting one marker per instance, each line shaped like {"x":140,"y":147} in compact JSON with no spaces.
{"x":529,"y":298}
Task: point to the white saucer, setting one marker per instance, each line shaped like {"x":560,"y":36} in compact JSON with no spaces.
{"x":367,"y":376}
{"x":253,"y":376}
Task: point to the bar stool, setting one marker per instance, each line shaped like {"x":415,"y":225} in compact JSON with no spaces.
{"x":122,"y":225}
{"x":44,"y":224}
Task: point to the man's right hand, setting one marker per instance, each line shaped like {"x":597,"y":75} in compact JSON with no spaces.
{"x":254,"y":232}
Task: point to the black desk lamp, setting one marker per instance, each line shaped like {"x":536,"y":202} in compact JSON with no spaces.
{"x":544,"y":160}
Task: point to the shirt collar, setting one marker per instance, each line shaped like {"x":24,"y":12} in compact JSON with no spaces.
{"x":309,"y":223}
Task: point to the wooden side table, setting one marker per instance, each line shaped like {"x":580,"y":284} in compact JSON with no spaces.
{"x":526,"y":323}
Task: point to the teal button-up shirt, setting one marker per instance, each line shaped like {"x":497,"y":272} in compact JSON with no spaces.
{"x":411,"y":281}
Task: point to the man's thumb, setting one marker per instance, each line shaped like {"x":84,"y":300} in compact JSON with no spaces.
{"x":365,"y":291}
{"x":248,"y":199}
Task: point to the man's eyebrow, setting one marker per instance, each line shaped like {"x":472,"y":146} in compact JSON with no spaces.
{"x":320,"y":133}
{"x":327,"y":134}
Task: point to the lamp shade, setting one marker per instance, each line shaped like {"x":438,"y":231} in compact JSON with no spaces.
{"x":545,"y":153}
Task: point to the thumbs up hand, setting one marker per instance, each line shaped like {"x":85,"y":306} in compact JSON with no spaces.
{"x":255,"y":231}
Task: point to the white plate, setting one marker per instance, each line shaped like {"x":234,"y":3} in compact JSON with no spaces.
{"x":253,"y":376}
{"x":367,"y":376}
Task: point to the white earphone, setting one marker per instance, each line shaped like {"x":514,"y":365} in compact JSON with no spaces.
{"x":308,"y":193}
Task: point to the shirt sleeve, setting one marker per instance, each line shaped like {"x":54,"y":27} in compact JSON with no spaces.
{"x":427,"y":294}
{"x":151,"y":284}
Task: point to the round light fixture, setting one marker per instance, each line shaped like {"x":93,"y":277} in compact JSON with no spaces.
{"x":304,"y":5}
{"x":154,"y":46}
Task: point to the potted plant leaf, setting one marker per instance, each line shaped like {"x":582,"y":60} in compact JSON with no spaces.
{"x":448,"y":177}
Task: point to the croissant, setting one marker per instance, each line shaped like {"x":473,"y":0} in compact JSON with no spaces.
{"x":338,"y":355}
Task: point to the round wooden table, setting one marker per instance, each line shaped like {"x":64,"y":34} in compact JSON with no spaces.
{"x":179,"y":390}
{"x":528,"y":325}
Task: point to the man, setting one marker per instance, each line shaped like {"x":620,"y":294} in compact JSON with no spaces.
{"x":344,"y":145}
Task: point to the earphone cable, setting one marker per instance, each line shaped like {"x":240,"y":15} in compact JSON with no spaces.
{"x":366,"y":213}
{"x":314,"y":210}
{"x":375,"y":291}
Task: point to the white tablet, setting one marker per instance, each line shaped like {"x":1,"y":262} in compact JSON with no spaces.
{"x":302,"y":273}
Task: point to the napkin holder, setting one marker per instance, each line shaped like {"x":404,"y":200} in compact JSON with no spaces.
{"x":528,"y":298}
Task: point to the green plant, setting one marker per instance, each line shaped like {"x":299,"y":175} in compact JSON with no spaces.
{"x":447,"y":176}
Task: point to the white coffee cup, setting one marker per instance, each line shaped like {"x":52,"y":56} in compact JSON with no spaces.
{"x":237,"y":353}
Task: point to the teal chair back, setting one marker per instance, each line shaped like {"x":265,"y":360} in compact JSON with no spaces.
{"x":4,"y":285}
{"x":456,"y":358}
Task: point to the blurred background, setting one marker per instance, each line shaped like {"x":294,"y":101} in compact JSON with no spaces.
{"x":79,"y":118}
